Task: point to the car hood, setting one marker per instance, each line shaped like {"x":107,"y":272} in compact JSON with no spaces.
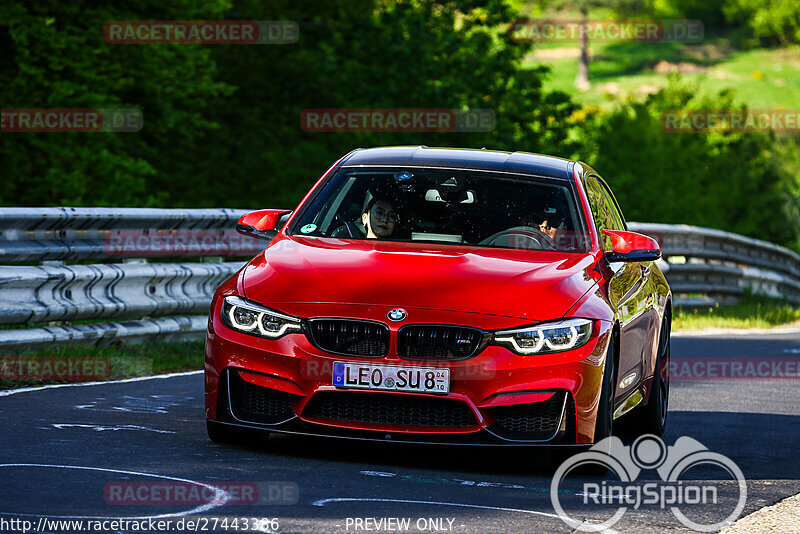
{"x":531,"y":285}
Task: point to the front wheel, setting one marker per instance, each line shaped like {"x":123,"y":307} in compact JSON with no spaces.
{"x":604,"y":425}
{"x":652,"y":417}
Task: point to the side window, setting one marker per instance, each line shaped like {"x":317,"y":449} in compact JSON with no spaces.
{"x":619,"y":222}
{"x":603,"y":209}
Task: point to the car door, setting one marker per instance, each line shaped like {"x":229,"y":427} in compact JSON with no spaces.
{"x":650,"y":318}
{"x":628,"y":291}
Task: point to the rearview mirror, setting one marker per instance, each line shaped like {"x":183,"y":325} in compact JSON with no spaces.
{"x":631,"y":246}
{"x":458,"y":197}
{"x":263,"y":224}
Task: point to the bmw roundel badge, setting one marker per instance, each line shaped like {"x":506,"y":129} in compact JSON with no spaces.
{"x":398,"y":314}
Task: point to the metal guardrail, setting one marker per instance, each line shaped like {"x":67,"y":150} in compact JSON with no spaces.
{"x":715,"y":263}
{"x":701,"y":261}
{"x":74,"y":292}
{"x":74,"y":234}
{"x":166,"y":328}
{"x":131,"y":289}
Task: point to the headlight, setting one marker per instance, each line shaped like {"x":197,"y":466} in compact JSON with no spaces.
{"x":254,"y":319}
{"x":546,"y":338}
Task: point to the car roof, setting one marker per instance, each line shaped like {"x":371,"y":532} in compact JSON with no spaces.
{"x":462,"y":158}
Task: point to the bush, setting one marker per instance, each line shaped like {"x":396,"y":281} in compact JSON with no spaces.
{"x":725,"y":180}
{"x":777,"y":21}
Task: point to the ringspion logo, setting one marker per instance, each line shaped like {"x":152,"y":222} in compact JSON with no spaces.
{"x":70,"y":120}
{"x":201,"y":32}
{"x":675,"y":490}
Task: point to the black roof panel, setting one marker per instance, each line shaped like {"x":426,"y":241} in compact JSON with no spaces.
{"x":460,"y":158}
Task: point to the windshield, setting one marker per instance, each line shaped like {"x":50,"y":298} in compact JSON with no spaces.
{"x":447,"y":206}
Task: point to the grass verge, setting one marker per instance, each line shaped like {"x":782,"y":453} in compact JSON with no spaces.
{"x":749,"y":312}
{"x":87,"y":363}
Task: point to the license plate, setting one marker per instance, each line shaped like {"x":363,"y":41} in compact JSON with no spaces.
{"x":391,"y":377}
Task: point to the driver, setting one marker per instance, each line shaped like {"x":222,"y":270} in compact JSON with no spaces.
{"x":378,"y":221}
{"x":551,"y":224}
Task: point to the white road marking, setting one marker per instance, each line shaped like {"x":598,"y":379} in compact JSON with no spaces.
{"x":100,"y":428}
{"x":8,"y":392}
{"x":220,"y":496}
{"x":455,"y":481}
{"x":150,"y":405}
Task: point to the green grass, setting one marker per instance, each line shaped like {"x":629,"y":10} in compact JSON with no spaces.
{"x":749,"y":312}
{"x":123,"y":361}
{"x":760,"y":78}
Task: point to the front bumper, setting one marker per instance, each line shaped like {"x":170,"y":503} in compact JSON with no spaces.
{"x":495,"y":398}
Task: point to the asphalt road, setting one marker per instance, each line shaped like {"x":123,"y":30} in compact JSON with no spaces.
{"x":63,"y":447}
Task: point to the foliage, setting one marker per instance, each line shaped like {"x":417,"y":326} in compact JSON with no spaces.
{"x":124,"y":360}
{"x":725,"y":180}
{"x":222,"y":122}
{"x":354,"y":54}
{"x":54,"y":56}
{"x":775,"y":20}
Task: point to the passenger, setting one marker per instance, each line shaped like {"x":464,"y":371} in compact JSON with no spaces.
{"x":550,"y":222}
{"x":379,"y":221}
{"x":552,"y":225}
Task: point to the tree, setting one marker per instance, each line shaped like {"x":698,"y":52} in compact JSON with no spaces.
{"x":773,"y":19}
{"x":372,"y":54}
{"x":54,"y":56}
{"x":724,"y":179}
{"x":620,"y":7}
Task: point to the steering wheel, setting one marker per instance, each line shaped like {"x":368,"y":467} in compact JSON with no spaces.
{"x":522,"y":237}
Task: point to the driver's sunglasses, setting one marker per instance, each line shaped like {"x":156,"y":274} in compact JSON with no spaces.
{"x":390,"y":216}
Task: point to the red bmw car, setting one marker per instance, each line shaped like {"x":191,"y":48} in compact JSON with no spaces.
{"x":446,"y":296}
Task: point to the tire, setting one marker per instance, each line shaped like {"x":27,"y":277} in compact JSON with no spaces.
{"x":219,"y":433}
{"x":604,"y":424}
{"x":651,"y":418}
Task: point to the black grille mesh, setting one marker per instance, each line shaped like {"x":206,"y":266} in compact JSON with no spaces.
{"x":390,"y":409}
{"x":438,"y":342}
{"x":532,"y":421}
{"x":258,"y":404}
{"x":353,"y":338}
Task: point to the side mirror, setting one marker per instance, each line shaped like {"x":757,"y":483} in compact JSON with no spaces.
{"x":263,"y":224}
{"x":631,"y":246}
